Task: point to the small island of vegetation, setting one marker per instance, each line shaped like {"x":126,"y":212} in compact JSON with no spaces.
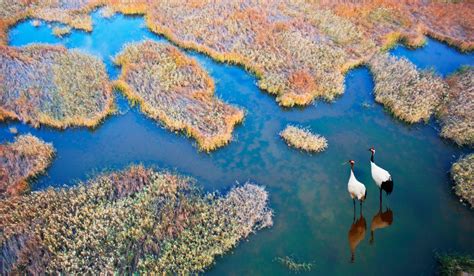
{"x":20,"y":161}
{"x":302,"y":138}
{"x":53,"y":86}
{"x":174,"y":89}
{"x":135,"y":220}
{"x":457,"y":114}
{"x":462,"y":173}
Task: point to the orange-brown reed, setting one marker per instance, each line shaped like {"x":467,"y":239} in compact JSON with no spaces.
{"x":174,"y":89}
{"x":53,"y":86}
{"x":133,"y":221}
{"x":20,"y":161}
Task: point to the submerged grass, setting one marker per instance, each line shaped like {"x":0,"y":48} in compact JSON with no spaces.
{"x":174,"y":89}
{"x":21,"y":160}
{"x":53,"y":86}
{"x":457,"y":114}
{"x":294,"y":265}
{"x":301,"y":138}
{"x":462,"y":173}
{"x":133,"y":221}
{"x":451,"y":264}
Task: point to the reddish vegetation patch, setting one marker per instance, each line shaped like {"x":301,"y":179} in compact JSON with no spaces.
{"x":135,"y":221}
{"x":278,"y":40}
{"x":27,"y":157}
{"x":386,"y":21}
{"x":53,"y":86}
{"x":175,"y":90}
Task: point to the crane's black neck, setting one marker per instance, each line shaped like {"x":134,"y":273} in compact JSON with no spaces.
{"x":372,"y":156}
{"x":352,"y":167}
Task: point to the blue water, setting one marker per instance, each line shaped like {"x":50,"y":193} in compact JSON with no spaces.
{"x":313,"y":211}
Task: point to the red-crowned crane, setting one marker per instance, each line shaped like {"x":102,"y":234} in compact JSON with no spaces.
{"x":380,"y":176}
{"x":355,"y":188}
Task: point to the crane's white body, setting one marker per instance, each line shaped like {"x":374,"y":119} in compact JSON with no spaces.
{"x":379,"y":175}
{"x":356,"y":188}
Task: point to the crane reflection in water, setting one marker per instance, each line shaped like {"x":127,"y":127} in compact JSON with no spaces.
{"x":382,"y":219}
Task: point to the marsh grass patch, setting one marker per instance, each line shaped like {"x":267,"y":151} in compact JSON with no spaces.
{"x":20,"y":161}
{"x":53,"y":86}
{"x":457,"y":113}
{"x":411,"y":95}
{"x":304,"y":139}
{"x":455,"y":264}
{"x":137,"y":220}
{"x":462,"y":173}
{"x":295,"y":266}
{"x":174,"y":89}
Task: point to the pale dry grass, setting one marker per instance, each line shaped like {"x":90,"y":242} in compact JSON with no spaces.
{"x":133,"y":221}
{"x":462,"y":173}
{"x":302,"y":138}
{"x":53,"y":86}
{"x":299,"y":49}
{"x":457,"y":114}
{"x":20,"y":161}
{"x":412,"y":95}
{"x":61,"y":31}
{"x":174,"y":89}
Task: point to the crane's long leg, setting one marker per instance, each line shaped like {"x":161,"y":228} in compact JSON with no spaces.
{"x":361,"y":208}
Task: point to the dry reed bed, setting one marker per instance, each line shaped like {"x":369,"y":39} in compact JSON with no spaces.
{"x":302,"y":138}
{"x":71,"y":12}
{"x":299,"y":50}
{"x":410,"y":94}
{"x":53,"y":86}
{"x":61,"y":31}
{"x":457,"y":114}
{"x":20,"y":161}
{"x":174,"y":89}
{"x":133,"y":221}
{"x":388,"y":21}
{"x":462,"y":173}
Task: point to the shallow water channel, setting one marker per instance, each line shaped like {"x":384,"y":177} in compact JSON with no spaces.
{"x":308,"y":192}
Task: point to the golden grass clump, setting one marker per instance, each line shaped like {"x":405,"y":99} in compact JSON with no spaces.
{"x":61,"y":31}
{"x":410,"y":94}
{"x":301,"y":138}
{"x":462,"y":173}
{"x":53,"y":86}
{"x":174,"y":89}
{"x":20,"y":161}
{"x":133,"y":221}
{"x":457,"y":114}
